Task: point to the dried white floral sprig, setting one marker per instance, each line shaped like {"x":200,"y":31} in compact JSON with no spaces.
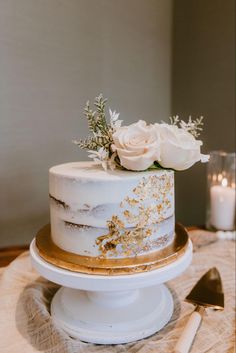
{"x":140,"y":146}
{"x":102,"y":157}
{"x":192,"y":126}
{"x":114,"y":122}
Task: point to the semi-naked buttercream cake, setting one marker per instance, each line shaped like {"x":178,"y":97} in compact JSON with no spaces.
{"x":110,"y":214}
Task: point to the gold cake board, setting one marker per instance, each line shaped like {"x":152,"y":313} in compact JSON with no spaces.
{"x":51,"y":253}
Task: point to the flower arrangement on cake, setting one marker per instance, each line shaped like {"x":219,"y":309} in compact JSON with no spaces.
{"x":141,"y":146}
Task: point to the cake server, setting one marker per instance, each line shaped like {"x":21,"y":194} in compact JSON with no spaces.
{"x":207,"y":293}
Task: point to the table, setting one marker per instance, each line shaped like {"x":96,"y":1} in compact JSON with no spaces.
{"x":26,"y":325}
{"x":8,"y":254}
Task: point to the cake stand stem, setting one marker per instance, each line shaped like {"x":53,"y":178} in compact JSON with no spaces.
{"x":113,"y":299}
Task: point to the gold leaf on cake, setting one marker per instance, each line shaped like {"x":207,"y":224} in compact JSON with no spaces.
{"x":142,"y":211}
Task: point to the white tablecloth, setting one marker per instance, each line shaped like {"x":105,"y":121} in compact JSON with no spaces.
{"x":26,"y":325}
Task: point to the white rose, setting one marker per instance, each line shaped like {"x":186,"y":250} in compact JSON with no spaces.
{"x":137,"y":145}
{"x":179,"y":149}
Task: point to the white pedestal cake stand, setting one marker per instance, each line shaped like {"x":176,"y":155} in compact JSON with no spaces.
{"x":111,"y":309}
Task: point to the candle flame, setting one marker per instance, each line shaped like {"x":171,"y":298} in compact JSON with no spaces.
{"x":220,"y":177}
{"x":224,"y":182}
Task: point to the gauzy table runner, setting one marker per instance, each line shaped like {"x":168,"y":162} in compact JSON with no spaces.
{"x":26,"y":325}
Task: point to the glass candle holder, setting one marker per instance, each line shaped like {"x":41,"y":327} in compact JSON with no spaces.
{"x":221,"y":191}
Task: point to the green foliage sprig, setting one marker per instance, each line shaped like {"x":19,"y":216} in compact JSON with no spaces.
{"x":97,"y":124}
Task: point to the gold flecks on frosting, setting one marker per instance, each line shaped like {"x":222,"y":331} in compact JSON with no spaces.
{"x":143,"y":210}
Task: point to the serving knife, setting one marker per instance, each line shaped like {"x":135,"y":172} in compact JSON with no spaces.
{"x":207,"y":293}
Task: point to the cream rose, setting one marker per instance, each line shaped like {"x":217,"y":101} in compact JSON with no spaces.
{"x":137,"y":145}
{"x":179,"y":149}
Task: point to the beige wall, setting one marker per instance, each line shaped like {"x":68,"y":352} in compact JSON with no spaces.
{"x":54,"y":56}
{"x":203,"y":82}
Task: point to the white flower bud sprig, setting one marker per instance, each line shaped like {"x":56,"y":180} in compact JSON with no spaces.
{"x":102,"y":157}
{"x":114,"y":122}
{"x":192,"y":126}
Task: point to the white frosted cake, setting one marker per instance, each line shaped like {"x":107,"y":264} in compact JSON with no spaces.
{"x":110,"y":214}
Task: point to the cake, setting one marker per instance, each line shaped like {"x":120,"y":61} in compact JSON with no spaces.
{"x":121,"y":205}
{"x":110,"y":214}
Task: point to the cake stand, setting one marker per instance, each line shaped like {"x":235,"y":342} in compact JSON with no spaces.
{"x":111,"y":309}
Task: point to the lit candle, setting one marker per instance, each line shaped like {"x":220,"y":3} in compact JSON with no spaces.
{"x":223,"y":206}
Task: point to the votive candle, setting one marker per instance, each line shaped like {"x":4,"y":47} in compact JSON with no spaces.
{"x":222,"y":200}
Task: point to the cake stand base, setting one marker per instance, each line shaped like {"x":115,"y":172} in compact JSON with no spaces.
{"x":133,"y":316}
{"x":111,"y":309}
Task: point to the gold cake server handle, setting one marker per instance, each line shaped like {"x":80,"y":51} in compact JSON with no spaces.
{"x":207,"y":293}
{"x":186,"y":339}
